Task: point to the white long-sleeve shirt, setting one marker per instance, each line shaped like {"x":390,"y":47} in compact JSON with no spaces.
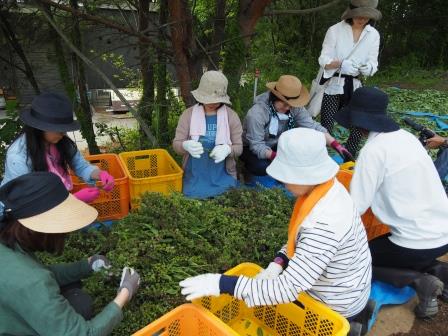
{"x":331,"y":262}
{"x":338,"y":44}
{"x":395,"y":176}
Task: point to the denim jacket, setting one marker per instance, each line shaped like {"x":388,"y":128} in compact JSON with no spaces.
{"x":17,"y":163}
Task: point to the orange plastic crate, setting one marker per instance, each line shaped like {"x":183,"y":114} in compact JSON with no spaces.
{"x":373,"y":226}
{"x":113,"y":204}
{"x":187,"y":320}
{"x":152,"y":170}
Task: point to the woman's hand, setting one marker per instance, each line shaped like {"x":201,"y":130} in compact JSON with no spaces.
{"x":335,"y":64}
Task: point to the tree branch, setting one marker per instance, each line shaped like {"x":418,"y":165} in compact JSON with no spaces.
{"x":91,"y":65}
{"x":301,"y":11}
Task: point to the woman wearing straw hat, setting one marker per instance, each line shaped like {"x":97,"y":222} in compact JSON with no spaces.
{"x":274,"y":112}
{"x":36,"y":213}
{"x":44,"y":146}
{"x":208,"y":135}
{"x":349,"y":50}
{"x":326,"y":254}
{"x":396,"y":178}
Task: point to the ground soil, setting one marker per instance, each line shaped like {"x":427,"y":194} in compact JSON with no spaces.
{"x":437,"y":326}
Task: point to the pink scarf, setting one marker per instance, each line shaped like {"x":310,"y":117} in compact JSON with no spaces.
{"x":53,"y":158}
{"x":197,"y":125}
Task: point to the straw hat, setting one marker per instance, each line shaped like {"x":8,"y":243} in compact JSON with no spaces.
{"x":364,"y":8}
{"x":302,"y":158}
{"x":50,"y":112}
{"x":290,"y":90}
{"x":40,"y":202}
{"x":212,"y":89}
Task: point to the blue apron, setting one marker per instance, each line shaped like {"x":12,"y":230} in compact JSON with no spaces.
{"x":203,"y":177}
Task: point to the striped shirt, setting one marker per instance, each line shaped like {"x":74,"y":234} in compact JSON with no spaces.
{"x":331,"y":262}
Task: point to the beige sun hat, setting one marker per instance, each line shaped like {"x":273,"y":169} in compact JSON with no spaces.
{"x":212,"y":88}
{"x":302,"y":158}
{"x":290,"y":90}
{"x":40,"y":202}
{"x":362,"y":8}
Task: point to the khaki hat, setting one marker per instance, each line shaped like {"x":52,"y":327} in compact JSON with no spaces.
{"x":290,"y":90}
{"x":362,"y":8}
{"x":40,"y":202}
{"x":212,"y":89}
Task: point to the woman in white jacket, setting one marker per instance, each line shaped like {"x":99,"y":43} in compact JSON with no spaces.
{"x":350,"y":49}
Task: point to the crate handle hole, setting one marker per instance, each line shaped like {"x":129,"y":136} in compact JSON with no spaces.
{"x":158,"y":332}
{"x":300,"y":304}
{"x":95,"y":161}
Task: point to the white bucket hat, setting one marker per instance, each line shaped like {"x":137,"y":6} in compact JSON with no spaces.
{"x":302,"y":158}
{"x":212,"y":89}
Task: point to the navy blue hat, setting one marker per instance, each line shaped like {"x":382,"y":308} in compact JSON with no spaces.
{"x":50,"y":112}
{"x":40,"y":202}
{"x":367,"y":109}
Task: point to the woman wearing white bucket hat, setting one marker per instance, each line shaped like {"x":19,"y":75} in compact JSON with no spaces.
{"x":349,"y":51}
{"x":208,"y":135}
{"x":327,"y":253}
{"x":36,"y":213}
{"x":279,"y":109}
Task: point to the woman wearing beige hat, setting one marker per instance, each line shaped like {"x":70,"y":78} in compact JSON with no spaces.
{"x":36,"y":213}
{"x":349,"y":51}
{"x":274,"y":112}
{"x":208,"y":135}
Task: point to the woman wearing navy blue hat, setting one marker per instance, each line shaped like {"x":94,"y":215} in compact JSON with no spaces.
{"x":44,"y":146}
{"x":396,"y":178}
{"x":36,"y":213}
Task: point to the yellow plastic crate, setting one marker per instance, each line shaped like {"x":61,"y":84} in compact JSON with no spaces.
{"x":187,"y":320}
{"x":306,"y":317}
{"x":152,"y":170}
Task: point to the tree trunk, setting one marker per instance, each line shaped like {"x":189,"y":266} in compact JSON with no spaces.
{"x":146,"y":67}
{"x":162,"y":84}
{"x":83,"y":113}
{"x":182,"y":39}
{"x":219,"y":29}
{"x":15,"y":44}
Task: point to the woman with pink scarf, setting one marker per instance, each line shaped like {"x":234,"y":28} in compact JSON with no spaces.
{"x":208,"y":135}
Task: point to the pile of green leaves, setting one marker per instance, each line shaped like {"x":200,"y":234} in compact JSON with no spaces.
{"x":171,"y":237}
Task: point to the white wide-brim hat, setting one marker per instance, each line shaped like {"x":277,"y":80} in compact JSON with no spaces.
{"x":302,"y":158}
{"x":212,"y":89}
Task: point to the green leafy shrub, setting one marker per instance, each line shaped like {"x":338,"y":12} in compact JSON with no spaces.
{"x":171,"y":238}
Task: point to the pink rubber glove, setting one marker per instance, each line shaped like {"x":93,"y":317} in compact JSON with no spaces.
{"x":343,"y":152}
{"x":88,"y":194}
{"x":108,"y":180}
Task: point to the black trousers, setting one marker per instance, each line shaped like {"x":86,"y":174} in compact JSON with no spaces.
{"x":253,"y":164}
{"x":387,"y":254}
{"x":81,"y":302}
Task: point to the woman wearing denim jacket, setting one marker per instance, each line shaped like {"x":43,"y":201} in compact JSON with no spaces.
{"x":44,"y":146}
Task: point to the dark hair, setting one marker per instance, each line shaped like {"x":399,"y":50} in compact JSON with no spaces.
{"x":220,"y":104}
{"x":35,"y":147}
{"x":13,"y":233}
{"x":370,"y":22}
{"x":273,"y":98}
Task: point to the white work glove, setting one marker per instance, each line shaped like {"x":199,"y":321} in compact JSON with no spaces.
{"x":193,"y":147}
{"x":98,"y":262}
{"x":220,"y":152}
{"x":201,"y":285}
{"x":130,"y":280}
{"x":271,"y":272}
{"x":348,"y":67}
{"x":366,"y":69}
